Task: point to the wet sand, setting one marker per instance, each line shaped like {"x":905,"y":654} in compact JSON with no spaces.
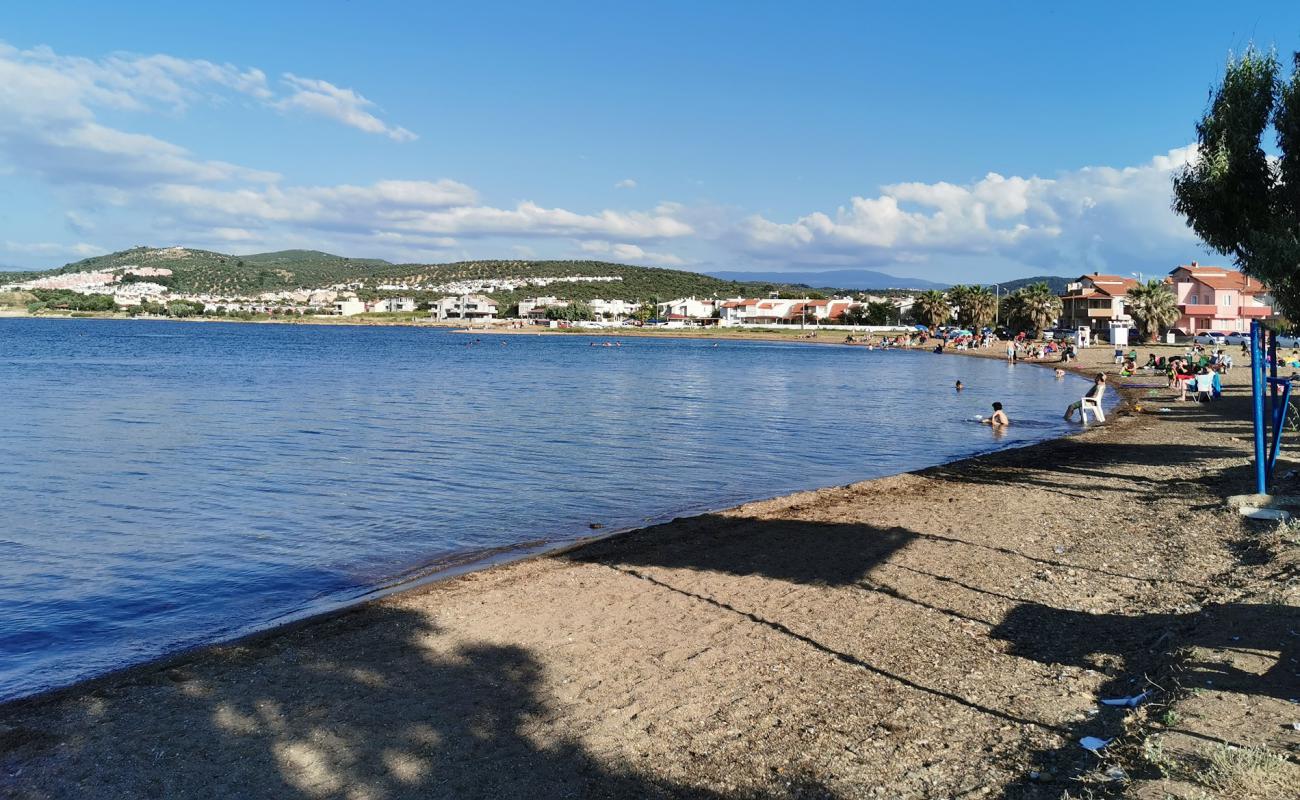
{"x":945,"y":633}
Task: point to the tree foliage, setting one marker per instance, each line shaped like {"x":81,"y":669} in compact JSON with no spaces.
{"x":572,"y":312}
{"x":1152,"y":306}
{"x":931,"y":308}
{"x":976,"y":305}
{"x":1033,"y":308}
{"x":1239,"y":202}
{"x":73,"y":301}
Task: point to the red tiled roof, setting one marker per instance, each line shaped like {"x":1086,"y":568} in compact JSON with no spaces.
{"x":1221,"y":278}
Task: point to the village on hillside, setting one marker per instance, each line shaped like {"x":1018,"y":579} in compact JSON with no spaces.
{"x":1208,"y":299}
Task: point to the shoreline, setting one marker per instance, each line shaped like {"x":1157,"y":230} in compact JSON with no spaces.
{"x":420,"y":576}
{"x":941,"y":632}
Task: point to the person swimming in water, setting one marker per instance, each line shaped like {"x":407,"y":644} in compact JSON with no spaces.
{"x":959,"y":386}
{"x":999,"y":418}
{"x":1060,"y":373}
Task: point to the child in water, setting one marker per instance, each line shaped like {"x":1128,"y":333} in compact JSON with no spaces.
{"x":999,"y":418}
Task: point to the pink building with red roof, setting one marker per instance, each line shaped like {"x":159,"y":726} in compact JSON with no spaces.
{"x":1217,"y":299}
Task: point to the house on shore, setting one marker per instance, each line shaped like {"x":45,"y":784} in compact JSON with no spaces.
{"x":466,"y":307}
{"x":1096,"y":301}
{"x":775,"y":311}
{"x":613,"y":309}
{"x":392,"y":305}
{"x":1217,"y":299}
{"x":349,"y":307}
{"x":688,"y":311}
{"x":536,"y":307}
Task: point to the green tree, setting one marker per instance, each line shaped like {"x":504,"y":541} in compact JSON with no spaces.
{"x":959,"y":296}
{"x":1033,"y":307}
{"x":975,"y":305}
{"x":1238,"y":201}
{"x":981,"y":307}
{"x":878,"y":313}
{"x":1152,"y":306}
{"x":931,"y":307}
{"x":574,"y":311}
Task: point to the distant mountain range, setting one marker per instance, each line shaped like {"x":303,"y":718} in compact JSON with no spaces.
{"x":860,"y":279}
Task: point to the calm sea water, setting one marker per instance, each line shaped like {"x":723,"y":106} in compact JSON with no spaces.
{"x":165,"y":484}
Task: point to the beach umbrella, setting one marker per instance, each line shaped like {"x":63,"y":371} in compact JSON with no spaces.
{"x":922,"y":328}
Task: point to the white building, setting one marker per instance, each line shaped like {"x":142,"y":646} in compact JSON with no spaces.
{"x":687,"y":309}
{"x":393,"y":304}
{"x":613,"y":309}
{"x":469,"y":306}
{"x":529,"y":305}
{"x":778,"y":311}
{"x":349,"y":307}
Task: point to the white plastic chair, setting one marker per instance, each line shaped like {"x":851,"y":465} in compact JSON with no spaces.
{"x":1093,"y":404}
{"x":1205,"y":388}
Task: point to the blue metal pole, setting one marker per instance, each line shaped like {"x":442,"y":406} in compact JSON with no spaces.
{"x":1270,"y":399}
{"x":1257,"y":390}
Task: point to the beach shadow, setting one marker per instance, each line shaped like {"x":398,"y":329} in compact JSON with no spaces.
{"x":1132,"y":648}
{"x":372,"y":704}
{"x":1095,"y":466}
{"x":1032,"y":631}
{"x":797,"y":551}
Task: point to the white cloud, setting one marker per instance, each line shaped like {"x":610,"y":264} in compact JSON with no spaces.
{"x":626,"y":183}
{"x":342,"y":105}
{"x":1083,"y":218}
{"x":630,"y":253}
{"x":232,"y":235}
{"x":79,"y":249}
{"x":78,"y":223}
{"x":49,"y":104}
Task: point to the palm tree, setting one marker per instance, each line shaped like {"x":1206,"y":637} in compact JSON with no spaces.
{"x":1152,"y":307}
{"x":1034,"y":307}
{"x":931,"y":308}
{"x":959,"y":296}
{"x":979,"y":307}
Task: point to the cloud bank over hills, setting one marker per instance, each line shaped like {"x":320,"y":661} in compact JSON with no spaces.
{"x":80,"y":131}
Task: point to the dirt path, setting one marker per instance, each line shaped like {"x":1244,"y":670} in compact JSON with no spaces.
{"x":939,"y":634}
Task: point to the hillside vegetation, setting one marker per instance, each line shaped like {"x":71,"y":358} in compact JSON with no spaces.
{"x":204,"y":271}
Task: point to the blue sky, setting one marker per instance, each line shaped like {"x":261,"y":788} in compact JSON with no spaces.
{"x":948,"y":141}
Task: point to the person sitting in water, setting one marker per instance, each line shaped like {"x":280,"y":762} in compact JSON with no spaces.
{"x":1095,"y":393}
{"x":999,"y":418}
{"x":1060,"y":373}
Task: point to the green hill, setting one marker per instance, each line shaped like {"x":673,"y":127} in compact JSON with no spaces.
{"x":1054,"y":282}
{"x":205,"y":271}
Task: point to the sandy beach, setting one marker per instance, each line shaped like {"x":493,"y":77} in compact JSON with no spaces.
{"x":945,"y":633}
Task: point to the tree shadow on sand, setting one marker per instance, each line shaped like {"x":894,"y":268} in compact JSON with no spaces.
{"x":371,"y":704}
{"x":1127,"y":647}
{"x":796,"y":551}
